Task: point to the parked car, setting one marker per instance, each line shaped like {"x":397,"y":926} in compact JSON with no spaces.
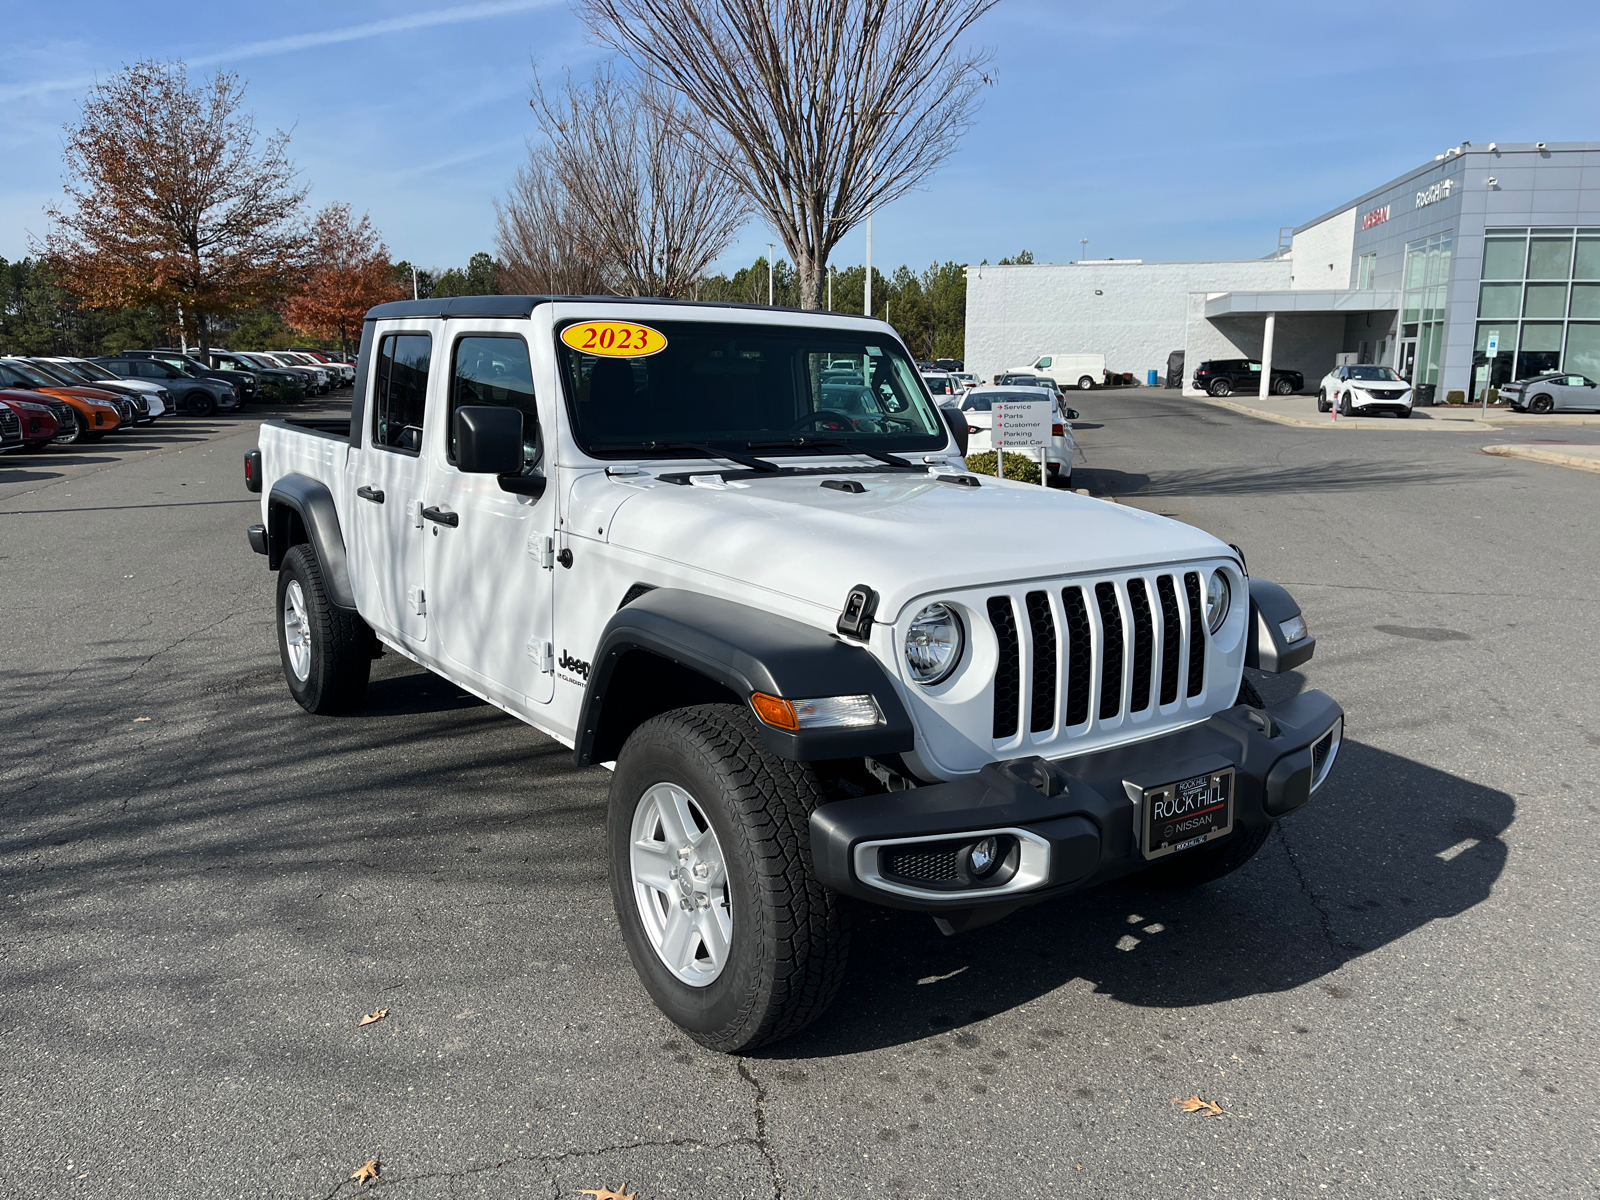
{"x":1363,"y":388}
{"x":825,"y":668}
{"x":1082,"y":371}
{"x":965,"y":378}
{"x":1552,"y":393}
{"x":243,"y":382}
{"x":952,"y":365}
{"x":37,"y":423}
{"x":346,"y":371}
{"x":135,"y":409}
{"x":1224,"y":376}
{"x":96,"y":413}
{"x":977,"y":406}
{"x":197,"y":394}
{"x":276,"y":385}
{"x":156,"y":396}
{"x":941,"y":383}
{"x":323,"y":374}
{"x":307,"y":376}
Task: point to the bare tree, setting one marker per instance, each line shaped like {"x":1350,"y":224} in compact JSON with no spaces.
{"x":541,"y":239}
{"x":823,"y":109}
{"x":171,"y":202}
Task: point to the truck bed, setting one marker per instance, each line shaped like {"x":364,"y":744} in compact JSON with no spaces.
{"x":337,"y":428}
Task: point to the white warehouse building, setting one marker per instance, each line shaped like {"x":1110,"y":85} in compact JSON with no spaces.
{"x":1487,"y":245}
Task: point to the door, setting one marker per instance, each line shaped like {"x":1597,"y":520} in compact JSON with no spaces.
{"x":387,"y":479}
{"x":1407,"y":366}
{"x":491,"y":574}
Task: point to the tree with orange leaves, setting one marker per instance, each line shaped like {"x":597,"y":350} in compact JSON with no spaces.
{"x":174,"y":200}
{"x":349,"y":271}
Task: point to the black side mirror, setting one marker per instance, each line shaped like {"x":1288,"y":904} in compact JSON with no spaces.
{"x":488,"y":440}
{"x":958,"y":428}
{"x":1072,"y":414}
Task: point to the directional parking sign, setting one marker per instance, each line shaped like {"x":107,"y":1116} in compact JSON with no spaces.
{"x":1021,"y":423}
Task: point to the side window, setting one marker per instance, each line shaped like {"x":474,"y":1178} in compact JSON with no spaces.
{"x":495,"y":370}
{"x":400,"y":391}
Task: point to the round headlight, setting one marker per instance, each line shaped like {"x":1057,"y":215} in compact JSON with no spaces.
{"x":1218,"y":596}
{"x":933,"y":644}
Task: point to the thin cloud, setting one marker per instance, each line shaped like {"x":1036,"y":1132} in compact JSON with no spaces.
{"x":458,"y":15}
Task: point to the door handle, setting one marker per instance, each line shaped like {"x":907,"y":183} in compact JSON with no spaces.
{"x":367,"y":493}
{"x":442,"y":516}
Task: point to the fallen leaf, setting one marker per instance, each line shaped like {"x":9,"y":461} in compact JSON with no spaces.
{"x":368,"y":1171}
{"x":378,"y":1015}
{"x":136,"y":720}
{"x":1194,"y":1104}
{"x":607,"y":1193}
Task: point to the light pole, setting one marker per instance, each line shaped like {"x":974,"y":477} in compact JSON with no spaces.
{"x":830,"y":286}
{"x":868,"y":293}
{"x":414,"y":283}
{"x":1084,"y":242}
{"x":770,"y":246}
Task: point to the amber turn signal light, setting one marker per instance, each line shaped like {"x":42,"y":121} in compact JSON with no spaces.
{"x":774,"y":711}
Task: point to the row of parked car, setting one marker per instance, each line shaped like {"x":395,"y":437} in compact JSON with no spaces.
{"x":64,"y":400}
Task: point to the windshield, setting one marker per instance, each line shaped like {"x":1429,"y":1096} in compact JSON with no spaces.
{"x":92,"y":371}
{"x":938,"y":385}
{"x":1383,"y":373}
{"x":745,"y":387}
{"x":27,"y":373}
{"x":56,"y":373}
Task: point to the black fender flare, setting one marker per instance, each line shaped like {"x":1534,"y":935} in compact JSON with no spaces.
{"x":1267,"y":649}
{"x":312,"y":502}
{"x":742,"y":650}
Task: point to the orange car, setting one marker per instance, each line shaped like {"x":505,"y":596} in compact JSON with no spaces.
{"x":97,"y":415}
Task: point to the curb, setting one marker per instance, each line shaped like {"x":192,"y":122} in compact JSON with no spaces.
{"x":1555,"y":458}
{"x":1350,"y":423}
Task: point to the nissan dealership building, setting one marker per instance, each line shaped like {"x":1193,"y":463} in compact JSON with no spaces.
{"x":1486,"y":244}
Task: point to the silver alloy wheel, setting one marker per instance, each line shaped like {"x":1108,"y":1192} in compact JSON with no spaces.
{"x":680,"y":883}
{"x":297,"y":630}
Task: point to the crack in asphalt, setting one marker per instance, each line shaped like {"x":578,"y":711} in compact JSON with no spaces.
{"x":760,"y":1140}
{"x":1323,"y":917}
{"x":558,"y":1156}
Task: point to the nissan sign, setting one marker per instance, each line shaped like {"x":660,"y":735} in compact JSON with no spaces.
{"x":1376,"y":217}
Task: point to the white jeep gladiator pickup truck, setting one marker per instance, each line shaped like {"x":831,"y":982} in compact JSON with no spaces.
{"x":733,"y":553}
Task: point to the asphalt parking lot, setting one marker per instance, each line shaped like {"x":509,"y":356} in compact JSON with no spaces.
{"x":204,"y":888}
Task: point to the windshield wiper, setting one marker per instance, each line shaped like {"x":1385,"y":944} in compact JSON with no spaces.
{"x":883,"y":456}
{"x":744,"y":460}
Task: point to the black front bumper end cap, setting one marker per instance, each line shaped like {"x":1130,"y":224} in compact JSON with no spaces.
{"x":258,"y":538}
{"x":1084,"y":809}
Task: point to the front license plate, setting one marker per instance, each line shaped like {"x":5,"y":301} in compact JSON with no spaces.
{"x":1191,"y":812}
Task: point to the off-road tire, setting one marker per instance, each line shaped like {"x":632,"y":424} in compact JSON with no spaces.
{"x":1206,"y":864}
{"x":341,"y":642}
{"x":1220,"y":387}
{"x":790,"y":934}
{"x":1541,"y":404}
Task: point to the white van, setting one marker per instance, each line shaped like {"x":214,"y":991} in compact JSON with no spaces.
{"x":1082,"y":371}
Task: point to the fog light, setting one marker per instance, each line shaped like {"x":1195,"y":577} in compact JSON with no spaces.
{"x":983,"y":857}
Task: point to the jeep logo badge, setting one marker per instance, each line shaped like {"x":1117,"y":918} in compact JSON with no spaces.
{"x":577,"y":666}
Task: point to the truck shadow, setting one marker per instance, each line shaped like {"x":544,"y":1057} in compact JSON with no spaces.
{"x":1349,"y":476}
{"x":1387,"y":846}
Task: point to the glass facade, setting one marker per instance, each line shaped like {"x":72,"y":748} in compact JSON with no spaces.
{"x":1540,"y":297}
{"x":1427,"y":271}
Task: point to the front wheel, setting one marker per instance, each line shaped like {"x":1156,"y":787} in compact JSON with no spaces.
{"x":1344,"y":405}
{"x":1283,"y":388}
{"x":200,"y":404}
{"x":326,"y":651}
{"x":708,"y":835}
{"x":1323,"y":403}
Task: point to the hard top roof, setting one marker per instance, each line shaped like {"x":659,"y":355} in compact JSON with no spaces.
{"x":509,"y":307}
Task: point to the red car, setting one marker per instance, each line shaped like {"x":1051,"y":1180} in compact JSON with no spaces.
{"x":37,"y":425}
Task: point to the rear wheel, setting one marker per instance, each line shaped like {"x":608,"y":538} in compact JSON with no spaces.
{"x":200,"y":404}
{"x":1541,"y":404}
{"x":1220,"y":387}
{"x":709,"y":844}
{"x":326,"y":651}
{"x":1085,"y":383}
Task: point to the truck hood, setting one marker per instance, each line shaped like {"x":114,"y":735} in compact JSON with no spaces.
{"x":905,"y":535}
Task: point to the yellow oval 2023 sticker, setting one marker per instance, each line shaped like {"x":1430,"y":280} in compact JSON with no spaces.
{"x":614,"y":339}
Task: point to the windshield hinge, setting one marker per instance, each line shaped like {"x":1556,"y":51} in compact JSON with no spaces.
{"x":860,"y":605}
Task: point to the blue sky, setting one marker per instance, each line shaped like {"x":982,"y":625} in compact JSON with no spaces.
{"x":1157,"y":130}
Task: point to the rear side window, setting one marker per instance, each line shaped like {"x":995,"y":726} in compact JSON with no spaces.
{"x":400,"y":391}
{"x":494,"y":369}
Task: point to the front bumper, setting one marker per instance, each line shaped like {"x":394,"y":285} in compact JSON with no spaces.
{"x":1072,"y":822}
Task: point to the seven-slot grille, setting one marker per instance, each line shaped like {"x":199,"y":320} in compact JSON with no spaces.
{"x":1120,"y":647}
